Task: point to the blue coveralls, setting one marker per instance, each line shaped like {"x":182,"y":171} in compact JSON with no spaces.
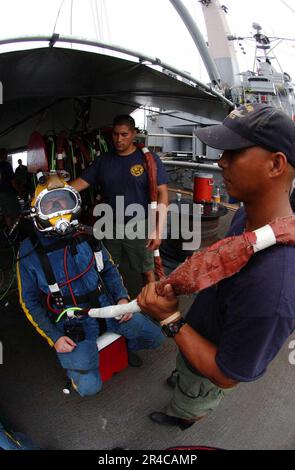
{"x":82,"y":363}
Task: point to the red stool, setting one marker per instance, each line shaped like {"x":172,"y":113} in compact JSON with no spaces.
{"x":112,"y":354}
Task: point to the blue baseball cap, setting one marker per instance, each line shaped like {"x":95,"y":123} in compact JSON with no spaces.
{"x":251,"y":125}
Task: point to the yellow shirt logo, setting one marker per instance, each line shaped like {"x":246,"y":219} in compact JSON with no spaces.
{"x":136,"y":170}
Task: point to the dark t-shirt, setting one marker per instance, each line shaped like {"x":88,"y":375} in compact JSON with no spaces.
{"x":21,"y":174}
{"x":6,"y":175}
{"x":123,"y":176}
{"x":251,"y":314}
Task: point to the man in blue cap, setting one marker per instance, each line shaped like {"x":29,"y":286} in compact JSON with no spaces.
{"x":235,"y":329}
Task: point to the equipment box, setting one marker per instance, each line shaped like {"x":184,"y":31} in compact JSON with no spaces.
{"x":112,"y":354}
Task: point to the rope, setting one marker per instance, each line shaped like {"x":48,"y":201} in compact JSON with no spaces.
{"x":57,"y":16}
{"x":288,"y":6}
{"x":151,"y":168}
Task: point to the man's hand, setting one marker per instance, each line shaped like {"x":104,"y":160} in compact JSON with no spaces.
{"x":79,"y":184}
{"x":157,"y":306}
{"x":153,"y":243}
{"x":126,"y":316}
{"x":64,"y":344}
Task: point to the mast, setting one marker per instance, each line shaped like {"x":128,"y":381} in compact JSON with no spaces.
{"x":199,"y":41}
{"x":221,"y":49}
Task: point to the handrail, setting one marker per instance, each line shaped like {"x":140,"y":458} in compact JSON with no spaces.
{"x":200,"y":166}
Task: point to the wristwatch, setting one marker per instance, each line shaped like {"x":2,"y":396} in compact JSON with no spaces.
{"x":172,"y":328}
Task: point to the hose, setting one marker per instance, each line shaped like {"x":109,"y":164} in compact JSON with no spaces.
{"x":111,"y":311}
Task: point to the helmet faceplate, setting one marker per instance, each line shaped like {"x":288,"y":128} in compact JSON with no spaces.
{"x":55,"y":206}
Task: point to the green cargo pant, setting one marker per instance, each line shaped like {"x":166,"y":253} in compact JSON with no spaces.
{"x":194,"y":396}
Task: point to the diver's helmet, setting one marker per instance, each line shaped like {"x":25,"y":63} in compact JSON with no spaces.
{"x":55,"y":205}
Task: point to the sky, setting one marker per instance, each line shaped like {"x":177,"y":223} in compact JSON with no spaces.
{"x":152,"y":27}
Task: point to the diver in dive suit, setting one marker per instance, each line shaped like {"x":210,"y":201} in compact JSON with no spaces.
{"x":62,"y":266}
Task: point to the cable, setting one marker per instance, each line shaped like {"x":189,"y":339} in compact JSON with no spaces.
{"x":73,"y":309}
{"x":12,"y":277}
{"x":67,"y":276}
{"x":8,"y":239}
{"x":11,"y":264}
{"x":71,"y":20}
{"x":12,"y":127}
{"x":96,"y":25}
{"x":69,"y":281}
{"x":107,"y":21}
{"x":27,"y":254}
{"x":8,"y":288}
{"x":288,"y":6}
{"x":1,"y":278}
{"x":61,"y":4}
{"x":161,"y":113}
{"x":99,"y":19}
{"x":4,"y":302}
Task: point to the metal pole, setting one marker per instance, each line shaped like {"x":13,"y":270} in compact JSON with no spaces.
{"x":198,"y":40}
{"x":200,"y":166}
{"x":194,"y":144}
{"x":170,"y":135}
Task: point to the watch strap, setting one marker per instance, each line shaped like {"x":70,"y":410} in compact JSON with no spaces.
{"x":172,"y":318}
{"x":172,"y":328}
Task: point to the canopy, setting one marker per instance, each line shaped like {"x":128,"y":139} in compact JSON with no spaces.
{"x":50,"y":89}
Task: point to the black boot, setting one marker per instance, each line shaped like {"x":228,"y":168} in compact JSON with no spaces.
{"x":134,"y":360}
{"x":166,"y":420}
{"x":171,"y":381}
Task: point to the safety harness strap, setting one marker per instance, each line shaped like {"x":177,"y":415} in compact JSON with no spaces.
{"x":62,"y":243}
{"x":96,"y":248}
{"x":58,"y":299}
{"x":89,"y":298}
{"x":48,"y":271}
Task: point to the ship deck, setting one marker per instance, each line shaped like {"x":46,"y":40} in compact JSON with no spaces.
{"x":258,"y":415}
